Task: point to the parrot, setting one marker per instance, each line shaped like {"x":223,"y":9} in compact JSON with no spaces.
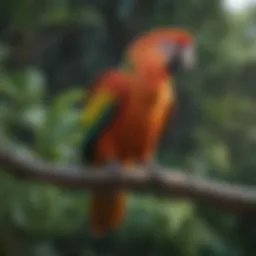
{"x":125,"y":113}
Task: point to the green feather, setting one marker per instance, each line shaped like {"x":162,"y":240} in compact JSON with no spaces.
{"x":95,"y":129}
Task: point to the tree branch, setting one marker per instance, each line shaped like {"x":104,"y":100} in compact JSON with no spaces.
{"x":166,"y":182}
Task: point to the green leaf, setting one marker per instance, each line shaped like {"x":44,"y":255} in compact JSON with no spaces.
{"x":34,"y":84}
{"x":34,"y":116}
{"x":195,"y":234}
{"x":64,"y":15}
{"x":4,"y":52}
{"x":59,"y":128}
{"x":7,"y":87}
{"x":157,"y":216}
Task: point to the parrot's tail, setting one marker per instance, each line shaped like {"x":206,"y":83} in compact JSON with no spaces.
{"x":107,"y":211}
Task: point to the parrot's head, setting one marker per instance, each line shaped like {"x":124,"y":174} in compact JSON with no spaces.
{"x":171,"y":48}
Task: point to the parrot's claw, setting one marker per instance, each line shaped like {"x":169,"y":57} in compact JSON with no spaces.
{"x":113,"y":167}
{"x":153,"y":168}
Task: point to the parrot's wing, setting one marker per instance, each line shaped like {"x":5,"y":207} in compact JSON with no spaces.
{"x":101,"y":109}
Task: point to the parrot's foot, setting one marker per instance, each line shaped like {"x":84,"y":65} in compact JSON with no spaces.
{"x":153,"y":168}
{"x":113,"y":167}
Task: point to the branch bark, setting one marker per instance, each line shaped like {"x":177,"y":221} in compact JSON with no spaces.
{"x":166,"y":182}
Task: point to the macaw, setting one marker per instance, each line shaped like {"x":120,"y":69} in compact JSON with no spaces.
{"x":126,"y":111}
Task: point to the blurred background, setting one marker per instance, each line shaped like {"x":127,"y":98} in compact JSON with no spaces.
{"x":50,"y":51}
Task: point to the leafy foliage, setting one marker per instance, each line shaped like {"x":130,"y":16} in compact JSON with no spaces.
{"x":43,"y":54}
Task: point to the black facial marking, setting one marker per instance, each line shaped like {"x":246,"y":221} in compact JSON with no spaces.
{"x":174,"y":64}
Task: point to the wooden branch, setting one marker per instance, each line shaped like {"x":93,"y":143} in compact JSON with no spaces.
{"x":166,"y":182}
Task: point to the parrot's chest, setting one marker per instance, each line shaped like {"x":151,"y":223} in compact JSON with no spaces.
{"x":143,"y":120}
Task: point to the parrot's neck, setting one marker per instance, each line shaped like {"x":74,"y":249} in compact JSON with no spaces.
{"x":126,"y":66}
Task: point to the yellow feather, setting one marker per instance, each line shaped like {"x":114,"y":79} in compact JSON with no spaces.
{"x":94,"y":107}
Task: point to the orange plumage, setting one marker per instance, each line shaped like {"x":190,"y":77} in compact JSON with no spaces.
{"x":126,"y":112}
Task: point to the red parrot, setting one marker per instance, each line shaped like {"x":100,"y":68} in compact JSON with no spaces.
{"x":126,"y":111}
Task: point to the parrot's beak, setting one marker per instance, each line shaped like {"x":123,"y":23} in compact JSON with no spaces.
{"x":183,"y":59}
{"x":188,"y":58}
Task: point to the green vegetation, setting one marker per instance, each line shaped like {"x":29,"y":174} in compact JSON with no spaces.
{"x":51,"y":50}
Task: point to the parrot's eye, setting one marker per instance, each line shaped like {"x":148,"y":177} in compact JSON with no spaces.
{"x":168,"y":49}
